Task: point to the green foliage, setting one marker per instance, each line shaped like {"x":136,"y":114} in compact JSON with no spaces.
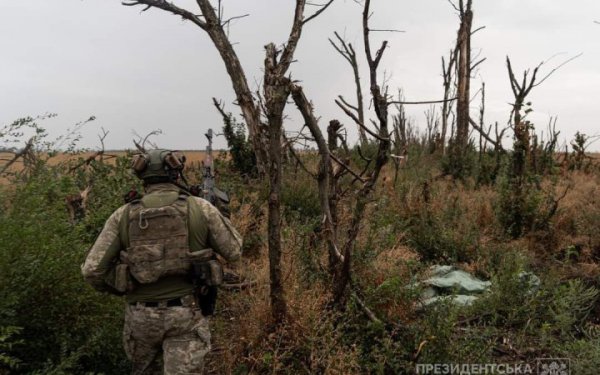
{"x":7,"y":345}
{"x":445,"y":235}
{"x":579,"y":160}
{"x":300,"y":195}
{"x":458,"y":162}
{"x":243,"y":159}
{"x":583,"y":354}
{"x":516,"y":213}
{"x":571,"y":305}
{"x":64,"y":325}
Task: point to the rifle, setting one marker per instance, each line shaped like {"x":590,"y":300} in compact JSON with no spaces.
{"x":208,"y":189}
{"x":208,"y":274}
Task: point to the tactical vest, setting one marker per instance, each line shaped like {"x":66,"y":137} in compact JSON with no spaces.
{"x":158,"y":241}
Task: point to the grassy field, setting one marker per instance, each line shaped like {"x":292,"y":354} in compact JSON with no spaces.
{"x":412,"y":222}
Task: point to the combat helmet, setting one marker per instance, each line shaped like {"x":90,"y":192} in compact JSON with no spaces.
{"x":158,"y":165}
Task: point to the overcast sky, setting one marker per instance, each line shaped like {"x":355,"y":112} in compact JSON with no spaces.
{"x":143,"y":71}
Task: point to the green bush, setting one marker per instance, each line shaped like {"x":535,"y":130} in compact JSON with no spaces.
{"x":300,"y":195}
{"x":443,"y":236}
{"x":243,"y":158}
{"x":64,"y":325}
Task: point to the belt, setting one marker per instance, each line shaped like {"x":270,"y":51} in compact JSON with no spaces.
{"x":182,"y":301}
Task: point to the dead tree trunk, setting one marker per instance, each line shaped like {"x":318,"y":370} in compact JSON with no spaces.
{"x":276,"y":91}
{"x":447,"y":74}
{"x":323,"y":179}
{"x":348,"y":53}
{"x":333,"y":192}
{"x":520,"y":219}
{"x":342,"y":285}
{"x":461,"y":140}
{"x":521,"y":146}
{"x":212,"y":24}
{"x":380,"y":103}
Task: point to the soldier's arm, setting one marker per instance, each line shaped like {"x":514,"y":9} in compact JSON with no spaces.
{"x":98,"y":265}
{"x":222,"y":236}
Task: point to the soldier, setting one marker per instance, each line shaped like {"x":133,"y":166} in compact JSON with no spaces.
{"x":148,"y":251}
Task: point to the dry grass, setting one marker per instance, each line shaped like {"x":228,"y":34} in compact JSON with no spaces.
{"x":244,"y":337}
{"x":194,"y":159}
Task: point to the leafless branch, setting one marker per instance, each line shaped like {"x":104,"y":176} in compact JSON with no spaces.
{"x":388,"y":30}
{"x":19,"y":154}
{"x":555,"y":69}
{"x":485,"y":135}
{"x":454,"y":6}
{"x":299,"y":160}
{"x":364,"y":307}
{"x":347,"y":51}
{"x":318,"y":12}
{"x":477,"y":29}
{"x":422,"y":102}
{"x":368,"y":160}
{"x":477,"y":63}
{"x":348,"y":104}
{"x":221,"y":108}
{"x":227,"y":22}
{"x":357,"y":121}
{"x":346,"y":167}
{"x":169,"y":7}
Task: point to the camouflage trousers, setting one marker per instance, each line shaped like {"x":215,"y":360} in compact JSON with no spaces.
{"x":165,"y":340}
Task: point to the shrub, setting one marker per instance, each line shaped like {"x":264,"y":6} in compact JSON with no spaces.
{"x":65,"y":326}
{"x":243,"y":159}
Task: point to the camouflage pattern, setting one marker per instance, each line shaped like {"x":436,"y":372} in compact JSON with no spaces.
{"x":98,"y":263}
{"x":158,"y":241}
{"x":170,"y":340}
{"x":222,"y":236}
{"x":98,"y":268}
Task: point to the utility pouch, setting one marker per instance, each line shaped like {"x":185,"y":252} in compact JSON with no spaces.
{"x":216,"y":273}
{"x":207,"y":269}
{"x":122,"y":281}
{"x":146,"y":262}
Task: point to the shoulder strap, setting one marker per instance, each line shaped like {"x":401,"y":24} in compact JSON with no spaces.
{"x":124,"y":225}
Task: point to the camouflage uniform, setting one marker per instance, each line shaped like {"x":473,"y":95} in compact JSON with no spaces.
{"x":160,"y":337}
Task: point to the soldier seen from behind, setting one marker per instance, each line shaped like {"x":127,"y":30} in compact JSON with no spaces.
{"x":159,"y":252}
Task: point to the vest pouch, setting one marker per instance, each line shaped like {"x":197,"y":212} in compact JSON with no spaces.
{"x":146,"y":262}
{"x":215,"y":274}
{"x":123,"y":282}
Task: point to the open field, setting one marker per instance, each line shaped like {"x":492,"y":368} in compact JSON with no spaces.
{"x":194,"y":159}
{"x":412,"y":221}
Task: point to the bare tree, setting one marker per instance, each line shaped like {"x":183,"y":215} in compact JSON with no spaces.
{"x":266,"y":138}
{"x":348,"y":53}
{"x":448,"y":77}
{"x":463,"y":43}
{"x":521,"y":88}
{"x":343,"y":284}
{"x":210,"y":20}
